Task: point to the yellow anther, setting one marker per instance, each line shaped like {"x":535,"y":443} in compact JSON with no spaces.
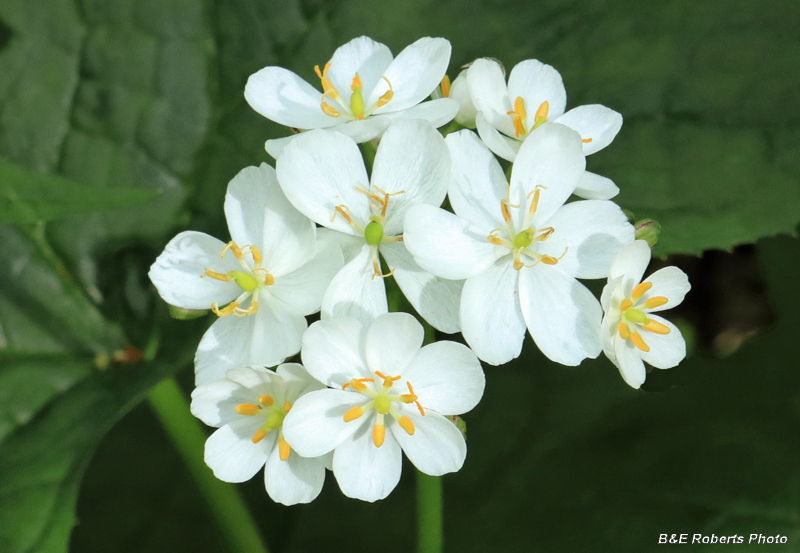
{"x":251,"y":310}
{"x":216,"y":275}
{"x":353,"y":413}
{"x":639,"y":291}
{"x":625,"y":305}
{"x":284,"y":449}
{"x":408,"y":398}
{"x":520,"y":115}
{"x":260,"y":434}
{"x":639,"y":342}
{"x":419,"y":405}
{"x":549,"y":260}
{"x":624,"y":332}
{"x":266,"y":400}
{"x":327,"y":87}
{"x":254,"y":251}
{"x":541,"y":114}
{"x":586,"y":140}
{"x":378,"y":434}
{"x":504,"y":205}
{"x":248,"y":409}
{"x":406,"y":424}
{"x":518,"y":264}
{"x":356,"y":83}
{"x":225,"y":311}
{"x":496,"y":240}
{"x":345,"y":212}
{"x":376,"y":266}
{"x":446,"y":87}
{"x":358,"y":384}
{"x":287,"y":407}
{"x":387,"y":380}
{"x":328,"y":110}
{"x":269,"y":280}
{"x":387,"y":96}
{"x":237,"y":252}
{"x":657,"y":301}
{"x":655,"y":327}
{"x":535,"y":202}
{"x":545,"y":233}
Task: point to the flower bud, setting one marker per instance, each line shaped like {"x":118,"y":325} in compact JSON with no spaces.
{"x":459,"y":91}
{"x":649,"y":231}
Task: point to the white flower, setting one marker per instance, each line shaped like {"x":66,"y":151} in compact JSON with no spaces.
{"x":520,"y":248}
{"x":631,"y":333}
{"x":249,"y":406}
{"x":271,"y":275}
{"x":383,"y":381}
{"x":534,"y":95}
{"x":323,"y":175}
{"x":458,"y":90}
{"x":363,"y":90}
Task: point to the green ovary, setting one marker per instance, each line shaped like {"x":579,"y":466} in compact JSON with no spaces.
{"x":246,"y":281}
{"x":523,"y":239}
{"x":373,"y":234}
{"x":382,"y":404}
{"x":635,"y":316}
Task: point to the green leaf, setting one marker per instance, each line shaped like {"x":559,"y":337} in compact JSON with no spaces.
{"x":28,"y":197}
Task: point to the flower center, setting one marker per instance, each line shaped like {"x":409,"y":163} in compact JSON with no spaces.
{"x":523,"y":240}
{"x":250,"y":280}
{"x":272,"y":416}
{"x":355,"y":109}
{"x":381,"y":400}
{"x":519,"y":117}
{"x":632,"y":317}
{"x":373,"y":233}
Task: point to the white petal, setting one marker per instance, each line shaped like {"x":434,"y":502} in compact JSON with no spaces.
{"x":536,"y":83}
{"x":459,"y":91}
{"x":487,"y":88}
{"x":319,"y":171}
{"x":612,"y":288}
{"x":594,"y":187}
{"x":177,"y":273}
{"x":295,"y":480}
{"x":436,"y":299}
{"x":562,"y":315}
{"x":349,"y":244}
{"x":392,"y":341}
{"x":551,"y":157}
{"x":315,"y":425}
{"x":302,"y":290}
{"x":257,"y":380}
{"x":491,"y":320}
{"x":275,"y":146}
{"x":608,"y":335}
{"x":666,"y":350}
{"x":669,"y":282}
{"x":364,"y":471}
{"x":283,"y":97}
{"x":447,"y":377}
{"x":266,"y":338}
{"x":629,"y":362}
{"x":595,"y":123}
{"x":214,"y":402}
{"x":412,"y":162}
{"x":437,"y":446}
{"x":630,"y":264}
{"x":477,"y":182}
{"x":446,"y":245}
{"x":500,"y":144}
{"x":231,"y":453}
{"x":334,"y":351}
{"x":436,"y":112}
{"x":361,"y":55}
{"x":354,"y":292}
{"x":365,"y":129}
{"x":591,"y":232}
{"x":414,"y":74}
{"x":259,"y":214}
{"x":298,"y":381}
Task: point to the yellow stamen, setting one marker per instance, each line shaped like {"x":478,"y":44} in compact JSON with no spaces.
{"x":520,"y":115}
{"x":251,"y":309}
{"x":639,"y":342}
{"x":266,"y":400}
{"x":269,"y":280}
{"x":378,"y":434}
{"x":446,"y":87}
{"x":225,"y":311}
{"x":496,"y":240}
{"x":541,"y":114}
{"x":284,"y":449}
{"x":504,"y":205}
{"x":586,"y":140}
{"x":358,"y":384}
{"x":327,"y":87}
{"x":328,"y":110}
{"x":550,"y":260}
{"x":419,"y":405}
{"x":376,"y":266}
{"x":260,"y":434}
{"x":287,"y":407}
{"x":657,"y":301}
{"x":639,"y":291}
{"x":237,"y":252}
{"x":248,"y":409}
{"x":624,"y":333}
{"x":344,"y":211}
{"x":254,"y":251}
{"x":545,"y":232}
{"x":655,"y":327}
{"x":216,"y":275}
{"x":387,"y":380}
{"x":625,"y":305}
{"x":406,"y":424}
{"x":353,"y":414}
{"x":387,"y":96}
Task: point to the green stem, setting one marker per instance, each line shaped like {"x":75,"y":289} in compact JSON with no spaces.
{"x":188,"y":436}
{"x":429,"y":514}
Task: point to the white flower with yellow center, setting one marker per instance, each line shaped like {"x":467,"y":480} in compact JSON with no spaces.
{"x":363,"y":89}
{"x":261,"y":284}
{"x":535,"y":95}
{"x":249,"y":406}
{"x":389,"y":395}
{"x":631,"y":334}
{"x":520,"y":248}
{"x":323,"y":175}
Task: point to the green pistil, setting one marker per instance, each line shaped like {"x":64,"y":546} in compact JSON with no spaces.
{"x":374,"y":233}
{"x":523,"y":239}
{"x":246,"y":281}
{"x":274,"y":420}
{"x":357,"y":101}
{"x":635,"y":316}
{"x":382,"y":404}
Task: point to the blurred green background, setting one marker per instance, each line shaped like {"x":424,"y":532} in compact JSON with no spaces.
{"x":121,"y":123}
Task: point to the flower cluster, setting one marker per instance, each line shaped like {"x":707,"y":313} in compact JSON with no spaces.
{"x":322,"y":231}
